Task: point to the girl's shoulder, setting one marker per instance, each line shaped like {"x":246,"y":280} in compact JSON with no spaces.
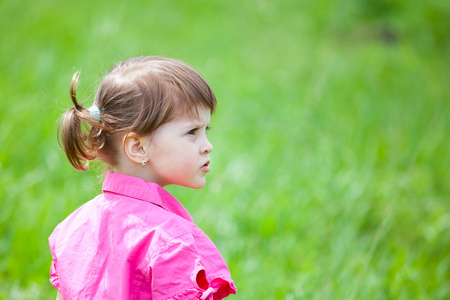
{"x":73,"y":218}
{"x":127,"y":217}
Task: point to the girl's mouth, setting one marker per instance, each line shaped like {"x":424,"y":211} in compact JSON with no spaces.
{"x":205,"y":168}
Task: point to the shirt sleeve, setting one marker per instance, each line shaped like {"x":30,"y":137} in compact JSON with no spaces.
{"x":54,"y":278}
{"x":178,"y":273}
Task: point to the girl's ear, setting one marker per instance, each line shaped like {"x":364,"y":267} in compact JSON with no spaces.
{"x":135,"y":147}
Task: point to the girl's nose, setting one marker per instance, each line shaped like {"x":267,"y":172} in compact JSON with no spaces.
{"x":207,"y":147}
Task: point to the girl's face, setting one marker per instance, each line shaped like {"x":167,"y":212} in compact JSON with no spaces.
{"x":178,"y":151}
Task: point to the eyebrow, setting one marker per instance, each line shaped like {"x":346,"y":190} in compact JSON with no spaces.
{"x":193,"y":122}
{"x":196,"y":124}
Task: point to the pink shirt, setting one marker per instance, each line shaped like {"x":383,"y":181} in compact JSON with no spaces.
{"x":135,"y":241}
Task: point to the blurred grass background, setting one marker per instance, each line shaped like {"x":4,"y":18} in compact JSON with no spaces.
{"x":330,"y":172}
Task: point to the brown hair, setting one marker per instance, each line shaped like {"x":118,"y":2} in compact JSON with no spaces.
{"x":138,"y":95}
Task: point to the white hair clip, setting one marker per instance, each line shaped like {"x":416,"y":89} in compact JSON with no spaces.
{"x":95,"y":113}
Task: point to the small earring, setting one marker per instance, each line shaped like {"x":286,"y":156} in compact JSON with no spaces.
{"x":144,"y":161}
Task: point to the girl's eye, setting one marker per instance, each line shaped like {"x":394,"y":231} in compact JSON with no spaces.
{"x":192,"y":131}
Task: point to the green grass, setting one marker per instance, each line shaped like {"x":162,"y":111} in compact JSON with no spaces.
{"x":330,"y":170}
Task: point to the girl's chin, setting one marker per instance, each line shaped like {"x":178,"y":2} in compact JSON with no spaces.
{"x":196,"y":185}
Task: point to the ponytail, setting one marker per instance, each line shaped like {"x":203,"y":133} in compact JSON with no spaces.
{"x":75,"y":132}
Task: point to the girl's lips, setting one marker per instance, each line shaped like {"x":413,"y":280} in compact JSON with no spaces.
{"x":205,"y":168}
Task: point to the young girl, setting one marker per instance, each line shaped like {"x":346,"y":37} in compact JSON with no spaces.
{"x":136,"y":241}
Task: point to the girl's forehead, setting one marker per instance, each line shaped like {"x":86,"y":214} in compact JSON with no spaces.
{"x":199,"y":115}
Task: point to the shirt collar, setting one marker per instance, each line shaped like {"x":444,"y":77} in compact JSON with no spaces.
{"x":146,"y":191}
